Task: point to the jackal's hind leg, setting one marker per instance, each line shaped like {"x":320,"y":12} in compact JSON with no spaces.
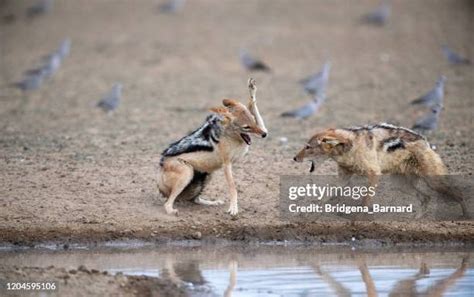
{"x":179,"y":179}
{"x":195,"y":187}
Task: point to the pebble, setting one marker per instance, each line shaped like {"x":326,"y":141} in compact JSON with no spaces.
{"x":283,"y":140}
{"x":197,"y":235}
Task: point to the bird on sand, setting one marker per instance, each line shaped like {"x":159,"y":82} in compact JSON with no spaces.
{"x":111,"y":100}
{"x":316,"y":84}
{"x":31,"y":81}
{"x":433,"y":96}
{"x":172,"y":6}
{"x":251,"y":63}
{"x":306,"y":110}
{"x":39,"y":8}
{"x":379,"y":16}
{"x":429,"y":121}
{"x":453,"y":57}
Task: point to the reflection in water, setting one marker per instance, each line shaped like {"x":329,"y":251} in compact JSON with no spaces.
{"x":403,"y":288}
{"x":278,"y":270}
{"x":188,"y":274}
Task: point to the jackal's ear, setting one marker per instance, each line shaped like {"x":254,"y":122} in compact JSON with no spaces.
{"x":230,"y":103}
{"x":331,"y":141}
{"x":219,"y":110}
{"x":224,"y":113}
{"x":334,"y":141}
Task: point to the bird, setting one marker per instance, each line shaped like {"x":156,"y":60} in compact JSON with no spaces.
{"x":306,"y":110}
{"x":30,"y":82}
{"x":429,"y":121}
{"x":434,"y":96}
{"x":251,"y":63}
{"x":316,"y":84}
{"x":111,"y":100}
{"x":39,"y":8}
{"x":64,"y":48}
{"x":172,"y":6}
{"x":453,"y":57}
{"x":379,"y":16}
{"x":50,"y":67}
{"x":62,"y":51}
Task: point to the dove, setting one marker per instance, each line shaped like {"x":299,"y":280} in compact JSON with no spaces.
{"x":251,"y":63}
{"x":453,"y":57}
{"x":64,"y":48}
{"x":429,"y":121}
{"x":378,"y":16}
{"x":48,"y":68}
{"x":434,"y":96}
{"x":62,"y":51}
{"x":52,"y":65}
{"x":172,"y":6}
{"x":31,"y":81}
{"x":306,"y":110}
{"x":316,"y":83}
{"x":39,"y":8}
{"x":111,"y":100}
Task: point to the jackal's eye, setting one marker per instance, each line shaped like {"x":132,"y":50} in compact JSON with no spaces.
{"x":246,"y":128}
{"x":307,"y":147}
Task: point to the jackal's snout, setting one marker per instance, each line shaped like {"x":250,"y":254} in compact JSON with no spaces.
{"x":260,"y":132}
{"x":299,"y":156}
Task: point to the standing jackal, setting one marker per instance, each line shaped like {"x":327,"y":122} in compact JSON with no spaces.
{"x":381,"y":149}
{"x":186,"y":165}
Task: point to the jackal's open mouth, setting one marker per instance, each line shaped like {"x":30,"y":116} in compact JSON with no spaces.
{"x":246,"y":138}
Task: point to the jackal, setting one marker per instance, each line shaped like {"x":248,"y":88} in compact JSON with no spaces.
{"x":378,"y":149}
{"x":186,"y":165}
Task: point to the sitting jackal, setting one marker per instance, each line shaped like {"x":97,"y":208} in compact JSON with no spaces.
{"x":186,"y":165}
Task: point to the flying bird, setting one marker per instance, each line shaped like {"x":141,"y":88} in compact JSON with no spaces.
{"x":316,"y":84}
{"x":111,"y":100}
{"x":429,"y":121}
{"x":453,"y":57}
{"x":172,"y":6}
{"x":39,"y":8}
{"x":379,"y":16}
{"x":434,"y":96}
{"x":306,"y":110}
{"x":251,"y":63}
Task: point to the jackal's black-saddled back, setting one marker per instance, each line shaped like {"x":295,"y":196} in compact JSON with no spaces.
{"x":201,"y":139}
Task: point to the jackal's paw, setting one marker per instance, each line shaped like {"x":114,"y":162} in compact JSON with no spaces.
{"x":233,"y":209}
{"x":170,"y":210}
{"x":252,"y":84}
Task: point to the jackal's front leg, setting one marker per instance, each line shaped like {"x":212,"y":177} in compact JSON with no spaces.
{"x":252,"y":106}
{"x":233,"y":208}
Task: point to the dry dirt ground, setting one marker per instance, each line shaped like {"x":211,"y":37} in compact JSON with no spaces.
{"x":69,"y":172}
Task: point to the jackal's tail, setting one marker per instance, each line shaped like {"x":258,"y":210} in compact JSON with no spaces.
{"x":433,"y":171}
{"x":428,"y":162}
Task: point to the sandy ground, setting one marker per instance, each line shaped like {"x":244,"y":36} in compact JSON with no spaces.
{"x":68,"y":172}
{"x":84,"y":282}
